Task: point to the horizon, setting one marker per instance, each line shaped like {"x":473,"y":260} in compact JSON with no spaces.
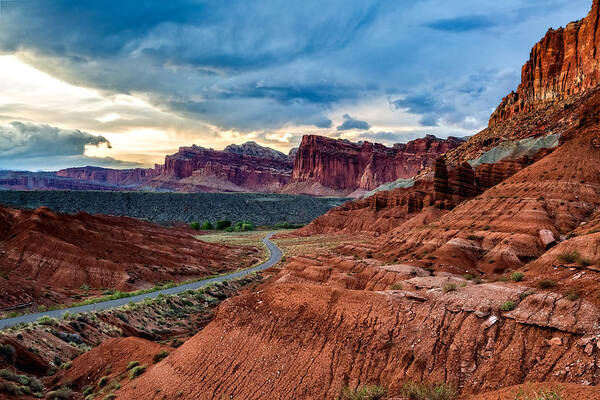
{"x":122,"y":86}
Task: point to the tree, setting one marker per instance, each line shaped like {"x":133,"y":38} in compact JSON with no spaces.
{"x":207,"y":226}
{"x":195,"y":225}
{"x":221,"y":225}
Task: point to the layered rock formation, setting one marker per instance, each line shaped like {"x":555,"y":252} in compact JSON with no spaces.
{"x":248,"y":167}
{"x":118,"y":177}
{"x":326,"y":166}
{"x":46,"y":257}
{"x":563,"y":63}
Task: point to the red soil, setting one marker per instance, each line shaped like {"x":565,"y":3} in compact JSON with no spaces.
{"x":45,"y":257}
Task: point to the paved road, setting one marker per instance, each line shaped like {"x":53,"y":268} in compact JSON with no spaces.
{"x":274,"y":257}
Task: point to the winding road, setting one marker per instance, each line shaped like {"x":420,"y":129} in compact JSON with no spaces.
{"x":275,"y":255}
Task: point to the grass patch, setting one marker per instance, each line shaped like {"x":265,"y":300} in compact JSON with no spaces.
{"x":516,"y":276}
{"x":132,"y":364}
{"x":572,"y":295}
{"x":574,"y":258}
{"x":541,"y":394}
{"x":136,"y":371}
{"x":161,"y":355}
{"x":449,"y":287}
{"x":368,"y":392}
{"x":508,"y":306}
{"x":424,"y":391}
{"x":546,"y":284}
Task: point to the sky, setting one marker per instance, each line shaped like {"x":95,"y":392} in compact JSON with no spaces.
{"x":122,"y":83}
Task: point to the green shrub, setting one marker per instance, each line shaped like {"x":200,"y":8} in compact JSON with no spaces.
{"x":177,"y":342}
{"x":136,"y":371}
{"x":132,"y":364}
{"x":397,"y":286}
{"x":60,"y":394}
{"x":9,"y":387}
{"x":8,"y":353}
{"x":572,"y":295}
{"x":368,"y":392}
{"x":546,"y":284}
{"x":110,"y":396}
{"x":287,"y":225}
{"x":103,"y":381}
{"x":574,"y":258}
{"x":221,"y":225}
{"x":87,"y":391}
{"x":423,"y":391}
{"x":161,"y":355}
{"x":84,"y":287}
{"x":449,"y":287}
{"x":195,"y":225}
{"x":66,"y":365}
{"x":516,"y":276}
{"x":542,"y":394}
{"x":526,"y":293}
{"x":508,"y":306}
{"x":207,"y":226}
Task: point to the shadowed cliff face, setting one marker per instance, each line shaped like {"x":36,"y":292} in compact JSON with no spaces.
{"x":563,"y":63}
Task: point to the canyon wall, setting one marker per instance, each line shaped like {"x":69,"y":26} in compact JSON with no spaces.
{"x":563,"y":63}
{"x":347,"y":168}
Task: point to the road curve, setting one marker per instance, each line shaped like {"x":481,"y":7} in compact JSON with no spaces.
{"x":275,"y":255}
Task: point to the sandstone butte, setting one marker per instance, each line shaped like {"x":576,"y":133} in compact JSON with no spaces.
{"x":398,"y":302}
{"x":325,"y":166}
{"x":320,"y":167}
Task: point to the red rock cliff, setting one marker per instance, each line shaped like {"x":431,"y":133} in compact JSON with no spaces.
{"x":244,"y":167}
{"x":343,"y":165}
{"x":108,"y":175}
{"x":563,"y":63}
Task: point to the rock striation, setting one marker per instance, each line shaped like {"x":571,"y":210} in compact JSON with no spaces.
{"x":340,"y":167}
{"x":563,"y":63}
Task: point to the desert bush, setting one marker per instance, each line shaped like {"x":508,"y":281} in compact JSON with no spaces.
{"x":102,"y":381}
{"x":87,"y":391}
{"x":177,"y":342}
{"x":195,"y":225}
{"x":368,"y":392}
{"x":222,"y":225}
{"x":546,"y":284}
{"x":542,"y":394}
{"x":110,"y":396}
{"x":397,"y":286}
{"x":136,"y":371}
{"x":66,"y":365}
{"x":161,"y":355}
{"x":60,"y":394}
{"x":207,"y":226}
{"x":574,"y":258}
{"x":287,"y":225}
{"x":572,"y":295}
{"x":516,"y":276}
{"x":424,"y":391}
{"x":84,"y":287}
{"x":508,"y":306}
{"x":526,"y":293}
{"x":132,"y":364}
{"x":9,"y":387}
{"x":8,"y":353}
{"x":449,"y":287}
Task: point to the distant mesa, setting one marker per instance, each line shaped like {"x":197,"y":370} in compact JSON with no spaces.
{"x":320,"y":167}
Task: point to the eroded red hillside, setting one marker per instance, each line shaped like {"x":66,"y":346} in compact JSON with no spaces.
{"x":46,"y":257}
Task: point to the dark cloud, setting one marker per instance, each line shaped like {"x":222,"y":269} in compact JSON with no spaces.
{"x":351,"y":123}
{"x":35,"y":146}
{"x":25,"y":140}
{"x":463,"y":23}
{"x":267,"y":64}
